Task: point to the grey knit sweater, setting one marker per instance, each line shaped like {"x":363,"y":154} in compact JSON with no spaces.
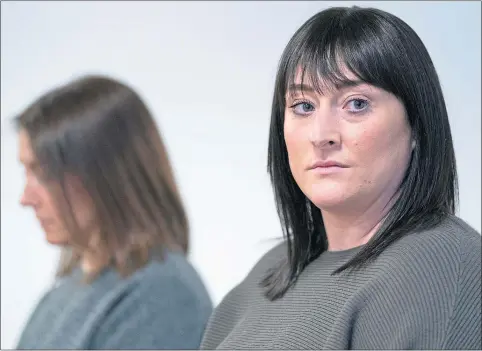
{"x":423,"y":292}
{"x":161,"y":306}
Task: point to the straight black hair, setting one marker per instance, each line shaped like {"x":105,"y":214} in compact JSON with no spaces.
{"x":382,"y":50}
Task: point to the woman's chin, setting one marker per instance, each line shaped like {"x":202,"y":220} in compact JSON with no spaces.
{"x":329,"y":200}
{"x":57,"y":240}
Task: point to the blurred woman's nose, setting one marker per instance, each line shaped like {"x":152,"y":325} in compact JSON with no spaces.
{"x":28,"y":197}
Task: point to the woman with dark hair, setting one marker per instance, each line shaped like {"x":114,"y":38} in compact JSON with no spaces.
{"x":363,"y":169}
{"x":100,"y":182}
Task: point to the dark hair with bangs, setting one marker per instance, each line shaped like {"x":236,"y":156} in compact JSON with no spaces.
{"x":100,"y":131}
{"x":382,"y":50}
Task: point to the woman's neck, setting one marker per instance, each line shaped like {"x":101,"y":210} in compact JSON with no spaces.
{"x":349,"y":229}
{"x":91,"y":263}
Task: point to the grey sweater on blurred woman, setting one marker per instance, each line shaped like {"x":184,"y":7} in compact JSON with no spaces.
{"x":161,"y":306}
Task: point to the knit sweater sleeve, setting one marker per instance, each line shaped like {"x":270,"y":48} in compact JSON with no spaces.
{"x":159,"y":315}
{"x":432,"y":301}
{"x":465,"y":323}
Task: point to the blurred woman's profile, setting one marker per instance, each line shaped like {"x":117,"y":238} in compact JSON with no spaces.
{"x":99,"y":180}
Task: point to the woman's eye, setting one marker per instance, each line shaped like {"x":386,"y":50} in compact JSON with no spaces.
{"x":302,"y":108}
{"x":357,"y":105}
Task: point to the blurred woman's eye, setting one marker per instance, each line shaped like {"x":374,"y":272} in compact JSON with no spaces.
{"x":302,"y":108}
{"x":38,"y":175}
{"x":357,"y":105}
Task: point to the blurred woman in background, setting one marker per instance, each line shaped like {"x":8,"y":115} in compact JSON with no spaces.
{"x":100,"y":182}
{"x":364,"y":174}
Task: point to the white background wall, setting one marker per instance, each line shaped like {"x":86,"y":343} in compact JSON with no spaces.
{"x":207,"y":72}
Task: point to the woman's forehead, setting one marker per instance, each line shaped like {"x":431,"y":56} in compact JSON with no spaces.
{"x":304,"y":74}
{"x":313,"y":81}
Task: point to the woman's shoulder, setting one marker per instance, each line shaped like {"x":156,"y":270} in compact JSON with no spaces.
{"x":269,"y":259}
{"x":453,"y":227}
{"x":449,"y":248}
{"x":163,"y":286}
{"x":249,"y":287}
{"x":429,"y":279}
{"x":154,"y":306}
{"x":451,"y":238}
{"x":174,"y":274}
{"x":172,"y":278}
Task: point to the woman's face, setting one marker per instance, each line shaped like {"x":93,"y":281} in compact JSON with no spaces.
{"x":37,"y":194}
{"x":347,"y":148}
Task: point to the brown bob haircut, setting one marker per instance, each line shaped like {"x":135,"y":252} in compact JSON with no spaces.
{"x":101,"y":132}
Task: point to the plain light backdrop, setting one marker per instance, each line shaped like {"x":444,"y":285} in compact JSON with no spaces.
{"x":206,"y":70}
